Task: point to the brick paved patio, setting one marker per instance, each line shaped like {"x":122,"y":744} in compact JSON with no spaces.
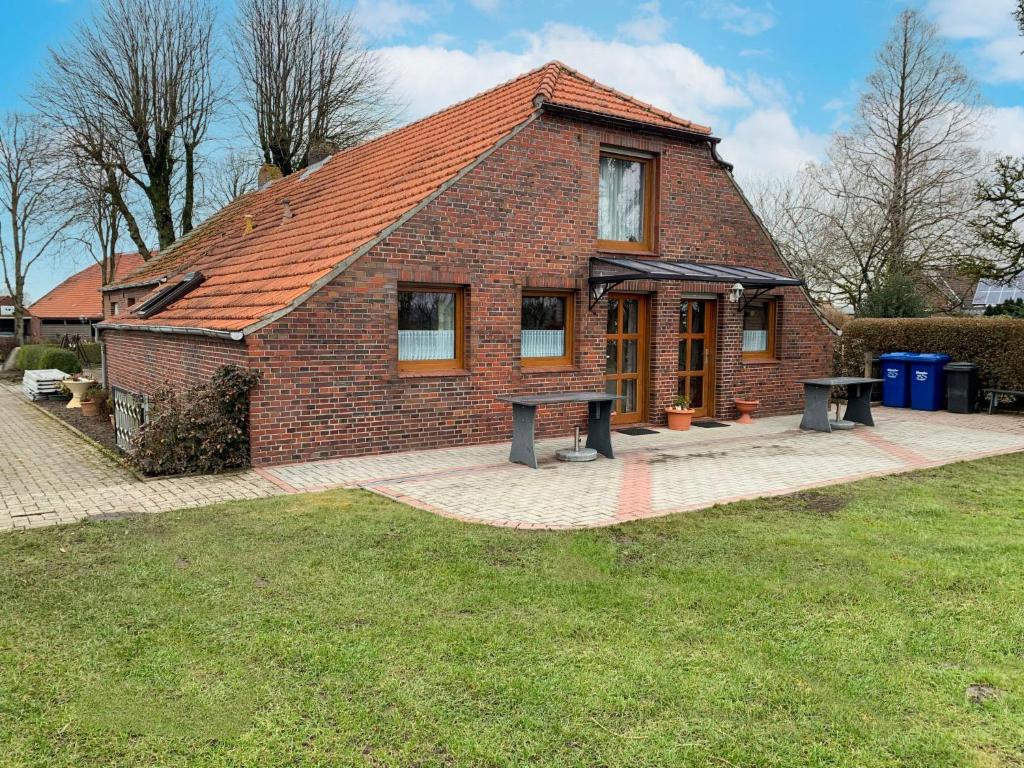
{"x":655,"y":475}
{"x":48,"y":475}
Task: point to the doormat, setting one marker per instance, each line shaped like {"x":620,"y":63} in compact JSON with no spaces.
{"x":710,"y":424}
{"x":637,"y":431}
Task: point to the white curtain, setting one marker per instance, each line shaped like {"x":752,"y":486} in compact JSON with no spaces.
{"x":426,"y":345}
{"x":621,"y":200}
{"x":542,"y":343}
{"x":755,"y":341}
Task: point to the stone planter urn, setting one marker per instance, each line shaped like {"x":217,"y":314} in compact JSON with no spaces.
{"x":746,"y":408}
{"x":77,"y":388}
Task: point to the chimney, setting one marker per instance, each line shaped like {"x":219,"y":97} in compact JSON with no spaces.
{"x":320,"y":149}
{"x":268,"y":174}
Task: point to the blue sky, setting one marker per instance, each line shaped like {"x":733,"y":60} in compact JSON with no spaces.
{"x":772,"y":78}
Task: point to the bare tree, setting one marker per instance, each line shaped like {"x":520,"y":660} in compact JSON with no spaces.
{"x":895,"y":195}
{"x":1000,"y":223}
{"x":308,"y":79}
{"x":228,"y":178}
{"x":133,"y":93}
{"x":29,"y":188}
{"x":96,"y":221}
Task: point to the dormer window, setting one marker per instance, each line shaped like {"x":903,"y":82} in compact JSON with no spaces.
{"x":626,"y":201}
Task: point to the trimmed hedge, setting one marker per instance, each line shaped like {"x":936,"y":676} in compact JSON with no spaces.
{"x":995,"y":344}
{"x":91,"y":352}
{"x":34,"y":357}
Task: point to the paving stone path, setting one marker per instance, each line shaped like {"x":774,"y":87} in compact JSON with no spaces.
{"x":48,"y":475}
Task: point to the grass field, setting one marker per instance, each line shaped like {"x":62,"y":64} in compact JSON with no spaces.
{"x":841,"y":627}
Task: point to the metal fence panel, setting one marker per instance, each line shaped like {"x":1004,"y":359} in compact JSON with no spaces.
{"x":130,"y":411}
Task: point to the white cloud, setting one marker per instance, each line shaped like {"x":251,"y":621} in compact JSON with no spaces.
{"x":648,"y":26}
{"x":1002,"y":130}
{"x":741,"y":19}
{"x":386,"y":19}
{"x":766,"y":143}
{"x":975,"y":19}
{"x":666,"y":74}
{"x":992,"y":27}
{"x":486,"y":6}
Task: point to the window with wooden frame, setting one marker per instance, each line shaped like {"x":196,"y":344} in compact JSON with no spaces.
{"x":430,"y":328}
{"x":625,"y":219}
{"x":546,"y":328}
{"x":759,"y":321}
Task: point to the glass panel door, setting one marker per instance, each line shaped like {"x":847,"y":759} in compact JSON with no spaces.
{"x":626,"y":356}
{"x":696,"y":339}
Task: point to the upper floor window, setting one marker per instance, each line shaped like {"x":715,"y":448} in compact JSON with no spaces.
{"x":625,"y":201}
{"x":545,"y":336}
{"x":759,"y":320}
{"x":115,"y":308}
{"x":430,"y":326}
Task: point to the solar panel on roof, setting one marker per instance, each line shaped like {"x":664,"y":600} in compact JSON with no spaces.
{"x":990,"y":293}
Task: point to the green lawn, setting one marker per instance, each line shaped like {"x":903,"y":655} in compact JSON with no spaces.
{"x":840,"y":627}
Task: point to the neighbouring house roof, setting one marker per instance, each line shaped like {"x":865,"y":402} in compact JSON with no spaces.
{"x":991,"y":293}
{"x":79,"y":296}
{"x":260,"y":258}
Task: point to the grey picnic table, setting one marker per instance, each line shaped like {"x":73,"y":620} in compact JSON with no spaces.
{"x":818,"y":391}
{"x":524,"y":413}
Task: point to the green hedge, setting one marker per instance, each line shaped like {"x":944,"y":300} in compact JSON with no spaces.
{"x":995,"y":344}
{"x":91,"y":352}
{"x":33,"y":357}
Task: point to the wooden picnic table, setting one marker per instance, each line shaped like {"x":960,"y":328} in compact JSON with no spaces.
{"x":524,"y":414}
{"x":818,"y":391}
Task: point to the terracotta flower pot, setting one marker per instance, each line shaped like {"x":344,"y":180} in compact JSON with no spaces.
{"x":679,"y":418}
{"x":746,"y":408}
{"x":90,"y":408}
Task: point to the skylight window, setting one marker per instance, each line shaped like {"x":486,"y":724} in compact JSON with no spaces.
{"x":170,"y":294}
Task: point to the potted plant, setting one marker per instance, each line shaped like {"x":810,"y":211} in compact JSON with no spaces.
{"x":94,"y":401}
{"x":679,"y":414}
{"x":746,"y":406}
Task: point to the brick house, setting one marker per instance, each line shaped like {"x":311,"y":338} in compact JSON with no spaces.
{"x":548,"y":234}
{"x":76,"y":305}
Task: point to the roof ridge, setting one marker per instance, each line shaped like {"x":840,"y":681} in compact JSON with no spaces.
{"x":633,"y":100}
{"x":439,"y":112}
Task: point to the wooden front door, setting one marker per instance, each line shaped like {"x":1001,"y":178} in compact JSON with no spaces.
{"x":697,"y":354}
{"x":626,"y":356}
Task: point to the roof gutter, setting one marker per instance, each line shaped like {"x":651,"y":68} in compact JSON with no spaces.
{"x":230,"y":335}
{"x":693,"y":137}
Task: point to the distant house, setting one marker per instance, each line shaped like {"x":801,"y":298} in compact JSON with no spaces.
{"x":7,"y":318}
{"x":74,"y":306}
{"x":548,"y":234}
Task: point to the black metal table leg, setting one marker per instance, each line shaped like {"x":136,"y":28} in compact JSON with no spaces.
{"x":599,"y":428}
{"x":816,"y":408}
{"x":858,"y":404}
{"x":523,"y":418}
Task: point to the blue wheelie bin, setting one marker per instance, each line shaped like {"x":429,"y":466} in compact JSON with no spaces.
{"x":928,"y":382}
{"x":895,"y":379}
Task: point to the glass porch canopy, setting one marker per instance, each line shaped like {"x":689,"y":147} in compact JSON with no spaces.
{"x":607,"y":272}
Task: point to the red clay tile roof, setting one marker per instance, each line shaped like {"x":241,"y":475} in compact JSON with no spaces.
{"x":347,"y":204}
{"x":79,"y":295}
{"x":6,"y":301}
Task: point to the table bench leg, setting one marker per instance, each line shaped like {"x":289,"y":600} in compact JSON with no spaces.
{"x":599,"y":428}
{"x":523,"y":418}
{"x":858,"y":405}
{"x":816,"y":409}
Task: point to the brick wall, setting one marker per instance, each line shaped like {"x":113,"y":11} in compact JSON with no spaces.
{"x":145,"y":362}
{"x":526,"y":217}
